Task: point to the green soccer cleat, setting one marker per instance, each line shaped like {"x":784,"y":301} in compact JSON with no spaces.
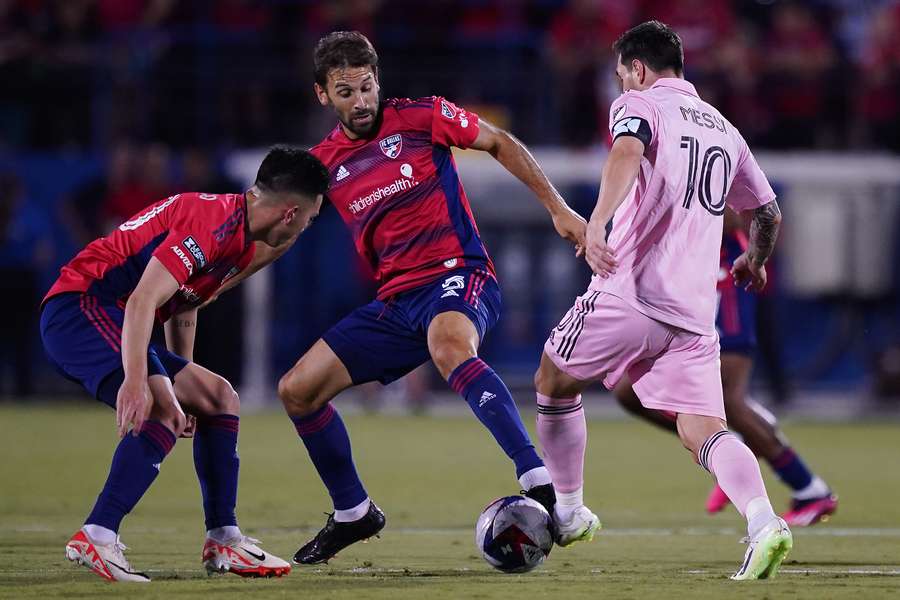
{"x":766,"y":551}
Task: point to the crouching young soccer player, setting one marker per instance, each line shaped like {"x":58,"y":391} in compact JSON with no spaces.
{"x":96,"y":324}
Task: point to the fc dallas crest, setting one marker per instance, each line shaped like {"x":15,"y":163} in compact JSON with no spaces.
{"x":392,"y":145}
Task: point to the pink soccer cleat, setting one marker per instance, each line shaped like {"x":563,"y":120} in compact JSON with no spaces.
{"x":804,"y":513}
{"x":717,"y":500}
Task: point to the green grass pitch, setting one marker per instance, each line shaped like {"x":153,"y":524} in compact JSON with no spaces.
{"x":432,"y":477}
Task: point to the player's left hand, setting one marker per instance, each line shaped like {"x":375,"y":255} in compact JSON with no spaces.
{"x":748,"y":275}
{"x":571,"y":226}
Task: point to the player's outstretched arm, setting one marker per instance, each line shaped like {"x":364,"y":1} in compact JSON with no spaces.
{"x":516,"y":158}
{"x":749,"y":270}
{"x":619,"y":172}
{"x":134,"y":400}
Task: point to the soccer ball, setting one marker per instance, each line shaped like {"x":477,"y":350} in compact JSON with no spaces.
{"x":513,"y":534}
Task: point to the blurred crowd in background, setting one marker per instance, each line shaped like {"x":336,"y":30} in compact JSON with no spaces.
{"x":109,"y":105}
{"x":789,"y":74}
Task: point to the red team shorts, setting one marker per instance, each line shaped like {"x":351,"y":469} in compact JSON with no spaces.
{"x":603,"y":337}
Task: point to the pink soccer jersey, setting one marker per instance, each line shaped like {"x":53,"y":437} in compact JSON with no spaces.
{"x":668,"y":231}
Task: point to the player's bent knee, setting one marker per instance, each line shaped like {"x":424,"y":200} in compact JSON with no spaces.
{"x":296,"y":400}
{"x":226,"y":401}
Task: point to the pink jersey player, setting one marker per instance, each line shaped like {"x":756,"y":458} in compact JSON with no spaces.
{"x":649,"y":312}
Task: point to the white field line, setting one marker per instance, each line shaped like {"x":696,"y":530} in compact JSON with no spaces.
{"x":613,"y":531}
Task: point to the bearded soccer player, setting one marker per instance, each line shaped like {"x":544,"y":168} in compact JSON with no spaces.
{"x":96,"y":324}
{"x":650,"y":309}
{"x":395,"y":185}
{"x":811,"y":499}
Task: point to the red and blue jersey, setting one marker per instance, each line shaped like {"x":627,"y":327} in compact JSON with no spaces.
{"x":399,"y":193}
{"x":201,"y":239}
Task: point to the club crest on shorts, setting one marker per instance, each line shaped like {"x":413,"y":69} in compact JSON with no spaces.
{"x":391,"y":145}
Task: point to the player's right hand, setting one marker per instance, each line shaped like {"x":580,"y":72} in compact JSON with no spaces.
{"x":600,"y":257}
{"x":133,"y":405}
{"x":748,"y":275}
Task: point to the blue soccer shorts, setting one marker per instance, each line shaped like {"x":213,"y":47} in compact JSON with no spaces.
{"x":383,"y":341}
{"x":736,"y":322}
{"x":82,"y":336}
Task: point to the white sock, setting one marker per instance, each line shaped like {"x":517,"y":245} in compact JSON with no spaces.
{"x":759,"y":514}
{"x":100,"y":535}
{"x":226,"y":534}
{"x":816,"y":489}
{"x":535,"y":477}
{"x":567,"y":503}
{"x":352,"y":514}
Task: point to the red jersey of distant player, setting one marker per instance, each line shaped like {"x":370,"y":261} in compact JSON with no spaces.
{"x":201,"y":239}
{"x":399,"y":193}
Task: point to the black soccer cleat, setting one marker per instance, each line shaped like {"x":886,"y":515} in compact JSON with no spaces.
{"x":544,"y":494}
{"x":337,"y":535}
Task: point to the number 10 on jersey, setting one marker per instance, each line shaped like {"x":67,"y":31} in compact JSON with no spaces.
{"x":703,"y":187}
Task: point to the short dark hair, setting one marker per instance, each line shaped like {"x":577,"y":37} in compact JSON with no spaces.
{"x":287,"y":169}
{"x":653,"y":43}
{"x":342,"y":49}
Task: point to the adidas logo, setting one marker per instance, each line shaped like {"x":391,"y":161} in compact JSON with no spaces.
{"x":485,"y":398}
{"x":342,"y":173}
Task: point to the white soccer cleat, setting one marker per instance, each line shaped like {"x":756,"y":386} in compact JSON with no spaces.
{"x":766,"y":551}
{"x":242,"y":557}
{"x":580,"y":527}
{"x":108,"y":562}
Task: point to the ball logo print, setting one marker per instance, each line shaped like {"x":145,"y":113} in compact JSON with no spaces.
{"x":392,"y":145}
{"x":513,"y":534}
{"x":406,"y":170}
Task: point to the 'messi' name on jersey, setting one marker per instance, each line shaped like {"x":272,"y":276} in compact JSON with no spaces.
{"x":363,"y":202}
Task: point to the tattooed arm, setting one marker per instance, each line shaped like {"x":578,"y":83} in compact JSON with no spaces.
{"x":749,"y":269}
{"x":181,"y":330}
{"x":763,"y":232}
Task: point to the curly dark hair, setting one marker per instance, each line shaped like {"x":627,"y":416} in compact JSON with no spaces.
{"x":342,"y":49}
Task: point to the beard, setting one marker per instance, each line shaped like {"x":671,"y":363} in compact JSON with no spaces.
{"x":364,"y":128}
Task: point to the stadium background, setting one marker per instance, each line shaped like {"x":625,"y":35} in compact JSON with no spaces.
{"x":108,"y":105}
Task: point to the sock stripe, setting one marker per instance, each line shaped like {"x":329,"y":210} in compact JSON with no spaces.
{"x":159,"y":435}
{"x":547,"y":409}
{"x":466,"y":373}
{"x":707,"y":446}
{"x":783,"y":459}
{"x":314,"y":422}
{"x":226,"y":422}
{"x":482,"y":370}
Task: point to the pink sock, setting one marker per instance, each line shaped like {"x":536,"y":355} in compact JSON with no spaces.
{"x":562,"y":432}
{"x":735,"y":468}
